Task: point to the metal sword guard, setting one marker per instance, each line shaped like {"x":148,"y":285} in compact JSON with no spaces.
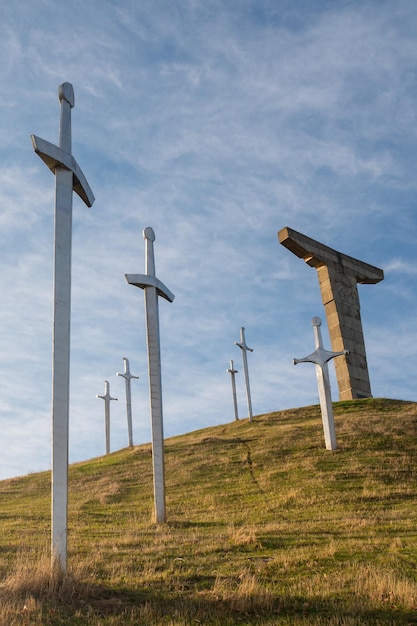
{"x":126,"y":374}
{"x":242,"y":344}
{"x":107,"y":396}
{"x":320,"y":357}
{"x":149,"y":279}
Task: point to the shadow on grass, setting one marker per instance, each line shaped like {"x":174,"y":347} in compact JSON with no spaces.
{"x":195,"y":524}
{"x":67,"y":600}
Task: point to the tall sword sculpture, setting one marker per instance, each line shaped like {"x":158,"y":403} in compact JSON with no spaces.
{"x":68,"y":178}
{"x":232,"y":373}
{"x":107,"y":398}
{"x":152,"y":289}
{"x":320,"y":357}
{"x":242,"y":345}
{"x":128,"y":377}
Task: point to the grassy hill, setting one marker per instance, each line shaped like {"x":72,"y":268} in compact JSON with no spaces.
{"x":264,"y":527}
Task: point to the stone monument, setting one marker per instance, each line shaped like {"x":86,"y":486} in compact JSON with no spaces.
{"x":232,"y":373}
{"x":107,"y":398}
{"x":320,"y":357}
{"x":338,"y":276}
{"x":153,"y":288}
{"x":128,"y":377}
{"x":242,"y":345}
{"x":68,"y":178}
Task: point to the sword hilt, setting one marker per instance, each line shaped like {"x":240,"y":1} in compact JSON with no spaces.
{"x":243,"y":345}
{"x":127,"y":375}
{"x":66,"y":92}
{"x":149,"y":237}
{"x":66,"y":98}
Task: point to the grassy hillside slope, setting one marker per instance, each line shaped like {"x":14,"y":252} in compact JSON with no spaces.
{"x":264,"y":527}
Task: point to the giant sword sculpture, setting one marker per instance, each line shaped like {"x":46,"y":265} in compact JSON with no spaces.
{"x":128,"y":377}
{"x":152,"y":289}
{"x":320,"y":357}
{"x":68,"y":178}
{"x":232,"y":373}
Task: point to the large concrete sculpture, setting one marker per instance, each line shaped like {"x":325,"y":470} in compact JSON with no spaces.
{"x":338,"y":277}
{"x":107,"y":399}
{"x":232,"y":373}
{"x":244,"y":348}
{"x":128,"y":377}
{"x":153,"y":288}
{"x":320,"y":357}
{"x":68,"y":178}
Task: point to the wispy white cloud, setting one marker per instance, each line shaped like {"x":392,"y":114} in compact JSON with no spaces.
{"x":401,"y":265}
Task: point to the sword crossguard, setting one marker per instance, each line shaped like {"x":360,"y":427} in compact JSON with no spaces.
{"x":143,"y":281}
{"x":320,"y":356}
{"x":107,"y":396}
{"x":60,"y":156}
{"x":149,"y":279}
{"x":126,"y":374}
{"x":242,"y":344}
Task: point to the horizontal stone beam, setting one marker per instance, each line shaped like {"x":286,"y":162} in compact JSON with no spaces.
{"x":315,"y":254}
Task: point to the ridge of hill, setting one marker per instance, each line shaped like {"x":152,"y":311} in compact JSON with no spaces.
{"x":264,"y":526}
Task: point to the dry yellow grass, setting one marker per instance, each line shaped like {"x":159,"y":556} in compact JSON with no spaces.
{"x":264,"y":527}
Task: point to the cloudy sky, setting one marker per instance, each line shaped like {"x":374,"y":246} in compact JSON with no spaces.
{"x":217,"y":123}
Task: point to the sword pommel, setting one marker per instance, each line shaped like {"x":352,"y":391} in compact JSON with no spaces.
{"x":149,"y":233}
{"x":149,"y":237}
{"x":66,"y":92}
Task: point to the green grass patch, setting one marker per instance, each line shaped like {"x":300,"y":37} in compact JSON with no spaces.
{"x":264,"y":527}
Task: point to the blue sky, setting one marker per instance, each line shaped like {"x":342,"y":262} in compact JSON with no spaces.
{"x":216,"y":123}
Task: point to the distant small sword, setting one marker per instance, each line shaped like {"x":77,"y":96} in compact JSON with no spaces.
{"x":128,"y":376}
{"x":107,"y":398}
{"x":320,"y":358}
{"x":232,"y":373}
{"x":242,"y":345}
